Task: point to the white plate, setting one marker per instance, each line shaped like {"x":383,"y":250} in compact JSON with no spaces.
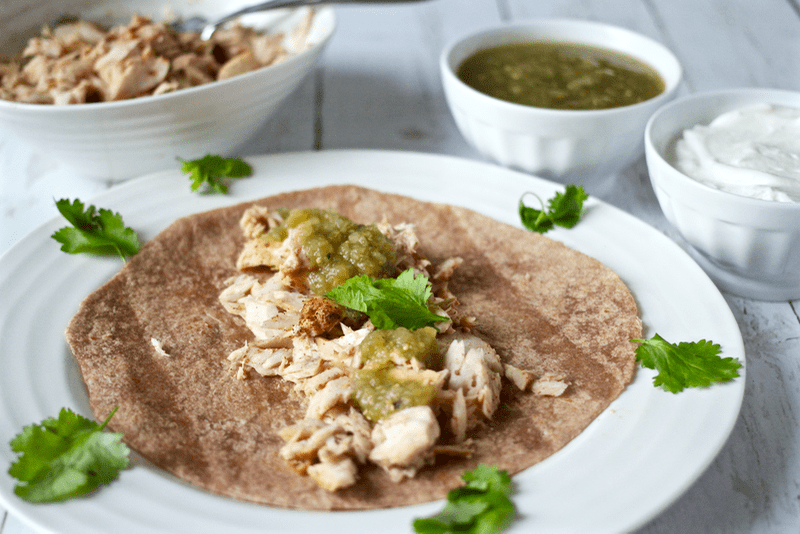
{"x":625,"y":468}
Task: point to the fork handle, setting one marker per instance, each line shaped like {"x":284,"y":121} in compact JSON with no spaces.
{"x":275,"y":4}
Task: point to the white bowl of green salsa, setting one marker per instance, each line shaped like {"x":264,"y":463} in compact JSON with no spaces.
{"x":563,"y":99}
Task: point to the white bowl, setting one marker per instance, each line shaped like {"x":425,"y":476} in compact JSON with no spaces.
{"x":114,"y":141}
{"x":749,"y":247}
{"x":565,"y":145}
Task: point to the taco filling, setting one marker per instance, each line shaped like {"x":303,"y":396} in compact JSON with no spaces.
{"x":389,"y":395}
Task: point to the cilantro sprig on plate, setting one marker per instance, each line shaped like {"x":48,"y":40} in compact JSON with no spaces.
{"x":66,"y":457}
{"x":389,"y":302}
{"x":682,"y":365}
{"x":481,"y":506}
{"x":94,"y":231}
{"x":564,"y":209}
{"x":211,"y":173}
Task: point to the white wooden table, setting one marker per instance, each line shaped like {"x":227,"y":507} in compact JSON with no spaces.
{"x":378,"y":87}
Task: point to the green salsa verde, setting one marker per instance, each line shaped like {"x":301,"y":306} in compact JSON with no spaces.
{"x":559,"y":75}
{"x":337,"y":248}
{"x":378,"y":391}
{"x":379,"y":394}
{"x":379,"y":346}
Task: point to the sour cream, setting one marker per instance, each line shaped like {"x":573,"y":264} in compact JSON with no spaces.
{"x":754,"y":152}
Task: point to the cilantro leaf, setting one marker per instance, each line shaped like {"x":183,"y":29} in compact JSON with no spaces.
{"x":481,"y":506}
{"x":488,"y":477}
{"x":564,"y":209}
{"x":212,"y":170}
{"x":99,"y":232}
{"x":695,"y":364}
{"x":389,"y":302}
{"x":66,"y":457}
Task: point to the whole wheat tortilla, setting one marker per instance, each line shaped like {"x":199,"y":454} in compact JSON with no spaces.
{"x":543,"y":306}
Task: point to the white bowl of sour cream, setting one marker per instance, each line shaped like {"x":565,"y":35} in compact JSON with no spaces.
{"x":725,"y":167}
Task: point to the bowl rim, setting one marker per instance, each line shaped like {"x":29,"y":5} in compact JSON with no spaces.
{"x":556,"y":23}
{"x":695,"y":185}
{"x":325,"y":11}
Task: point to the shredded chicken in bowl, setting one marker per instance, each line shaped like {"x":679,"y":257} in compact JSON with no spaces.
{"x":81,"y":62}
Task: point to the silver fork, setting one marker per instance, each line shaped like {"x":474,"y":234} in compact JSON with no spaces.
{"x":207,"y":29}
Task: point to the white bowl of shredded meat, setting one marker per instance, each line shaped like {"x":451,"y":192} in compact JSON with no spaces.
{"x":113,"y":91}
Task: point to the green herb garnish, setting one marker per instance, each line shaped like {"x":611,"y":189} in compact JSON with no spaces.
{"x":389,"y":302}
{"x":214,"y":171}
{"x":564,"y":209}
{"x":695,"y":364}
{"x":66,"y":457}
{"x":482,"y":506}
{"x":94,"y":232}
